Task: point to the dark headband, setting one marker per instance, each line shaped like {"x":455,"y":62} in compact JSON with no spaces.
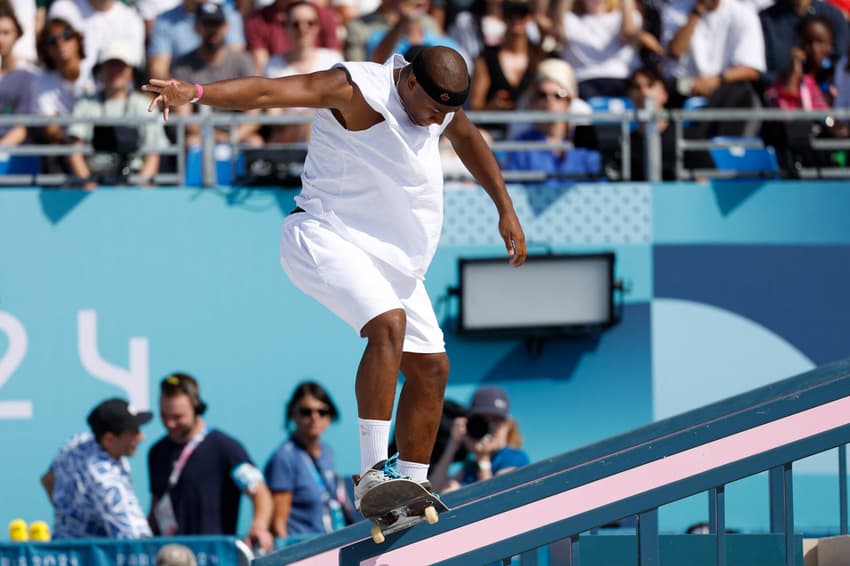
{"x":435,"y":91}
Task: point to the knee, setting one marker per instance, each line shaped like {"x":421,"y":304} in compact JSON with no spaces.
{"x":435,"y":369}
{"x":387,"y":328}
{"x":441,"y":369}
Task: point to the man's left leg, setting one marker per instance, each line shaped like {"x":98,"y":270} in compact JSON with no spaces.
{"x":420,"y":409}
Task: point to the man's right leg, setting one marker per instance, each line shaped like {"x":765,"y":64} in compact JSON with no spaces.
{"x":375,"y":388}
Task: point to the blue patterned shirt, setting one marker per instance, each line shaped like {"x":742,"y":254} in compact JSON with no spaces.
{"x":93,"y":495}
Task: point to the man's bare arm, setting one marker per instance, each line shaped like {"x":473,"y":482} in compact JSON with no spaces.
{"x":325,"y":89}
{"x":477,"y":157}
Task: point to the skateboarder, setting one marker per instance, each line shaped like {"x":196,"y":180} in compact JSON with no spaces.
{"x":368,"y":221}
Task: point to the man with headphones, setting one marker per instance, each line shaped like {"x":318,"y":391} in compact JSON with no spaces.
{"x":198,"y":474}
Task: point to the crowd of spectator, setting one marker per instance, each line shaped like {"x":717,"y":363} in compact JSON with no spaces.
{"x":198,"y":474}
{"x":87,"y":58}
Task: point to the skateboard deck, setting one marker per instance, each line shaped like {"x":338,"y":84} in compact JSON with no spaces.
{"x":399,"y":504}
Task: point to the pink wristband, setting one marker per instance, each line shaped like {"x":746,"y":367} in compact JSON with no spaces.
{"x":199,"y":92}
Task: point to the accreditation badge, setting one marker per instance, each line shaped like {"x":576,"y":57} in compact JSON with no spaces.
{"x":163,"y":511}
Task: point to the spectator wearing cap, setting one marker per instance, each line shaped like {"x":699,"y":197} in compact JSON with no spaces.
{"x":213,"y":61}
{"x":492,"y":440}
{"x":119,"y":151}
{"x":89,"y":481}
{"x":173,"y":34}
{"x":554,"y":90}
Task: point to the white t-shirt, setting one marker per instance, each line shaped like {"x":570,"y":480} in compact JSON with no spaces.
{"x":25,"y":14}
{"x":54,"y":96}
{"x":595,"y":48}
{"x":380,"y":188}
{"x":118,"y":24}
{"x":728,"y":36}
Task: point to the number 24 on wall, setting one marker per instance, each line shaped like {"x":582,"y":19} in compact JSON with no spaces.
{"x":134,"y":379}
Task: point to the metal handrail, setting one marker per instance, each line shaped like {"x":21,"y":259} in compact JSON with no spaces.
{"x":626,"y":121}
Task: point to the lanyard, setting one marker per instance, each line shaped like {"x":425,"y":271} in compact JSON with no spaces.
{"x":180,"y":463}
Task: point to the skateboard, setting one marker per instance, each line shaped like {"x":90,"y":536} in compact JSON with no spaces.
{"x":399,"y":504}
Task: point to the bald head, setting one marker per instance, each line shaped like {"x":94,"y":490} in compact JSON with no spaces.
{"x":445,"y":67}
{"x":441,"y":72}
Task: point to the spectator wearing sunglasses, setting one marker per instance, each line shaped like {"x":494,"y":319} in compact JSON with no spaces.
{"x":198,"y":474}
{"x":309,"y":497}
{"x":64,"y":79}
{"x":302,"y":26}
{"x":554,"y":90}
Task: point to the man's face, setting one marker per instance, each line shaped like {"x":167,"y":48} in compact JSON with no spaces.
{"x":551,"y":97}
{"x":124,"y":444}
{"x":213,"y":33}
{"x":116,"y":75}
{"x":421,"y":108}
{"x":643,"y":88}
{"x":8,"y":35}
{"x":178,"y":417}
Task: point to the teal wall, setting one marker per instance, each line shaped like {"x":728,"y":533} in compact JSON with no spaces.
{"x":104,"y":293}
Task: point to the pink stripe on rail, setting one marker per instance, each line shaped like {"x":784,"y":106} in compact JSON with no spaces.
{"x":622,"y":485}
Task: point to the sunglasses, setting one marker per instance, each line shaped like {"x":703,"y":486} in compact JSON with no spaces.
{"x":306,"y":24}
{"x":307,"y":411}
{"x":66,"y":35}
{"x":560,"y":95}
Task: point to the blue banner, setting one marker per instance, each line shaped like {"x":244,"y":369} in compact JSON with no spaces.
{"x":209,"y":551}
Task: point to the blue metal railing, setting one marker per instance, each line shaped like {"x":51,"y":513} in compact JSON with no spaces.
{"x":791,"y":403}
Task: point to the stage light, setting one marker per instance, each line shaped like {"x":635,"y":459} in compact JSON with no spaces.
{"x":550,"y":294}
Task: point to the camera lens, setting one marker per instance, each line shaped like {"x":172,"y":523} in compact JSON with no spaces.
{"x":477,"y":427}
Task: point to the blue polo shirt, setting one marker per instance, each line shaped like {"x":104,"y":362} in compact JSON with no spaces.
{"x":290,"y":469}
{"x":174,"y":34}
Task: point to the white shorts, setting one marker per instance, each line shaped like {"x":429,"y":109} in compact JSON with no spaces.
{"x":354,"y":285}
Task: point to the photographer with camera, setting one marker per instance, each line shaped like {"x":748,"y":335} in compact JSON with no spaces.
{"x":491,"y":438}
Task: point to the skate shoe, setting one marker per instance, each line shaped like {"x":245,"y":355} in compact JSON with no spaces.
{"x":382,"y":472}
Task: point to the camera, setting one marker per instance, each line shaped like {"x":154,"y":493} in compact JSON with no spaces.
{"x":477,"y":427}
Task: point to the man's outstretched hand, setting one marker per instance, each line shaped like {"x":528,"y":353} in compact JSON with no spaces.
{"x":169,"y":93}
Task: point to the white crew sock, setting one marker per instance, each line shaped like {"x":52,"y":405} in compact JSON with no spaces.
{"x":374,"y":442}
{"x":414,"y":470}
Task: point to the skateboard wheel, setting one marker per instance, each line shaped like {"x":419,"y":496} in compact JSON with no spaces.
{"x":431,"y":515}
{"x":377,"y":535}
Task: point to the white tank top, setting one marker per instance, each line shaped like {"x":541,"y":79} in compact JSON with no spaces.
{"x":380,"y":188}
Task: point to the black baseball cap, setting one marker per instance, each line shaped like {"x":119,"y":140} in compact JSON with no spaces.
{"x":210,"y":12}
{"x":116,"y":416}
